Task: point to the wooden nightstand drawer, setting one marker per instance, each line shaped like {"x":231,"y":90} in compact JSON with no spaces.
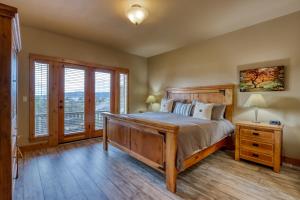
{"x":257,"y":134}
{"x":259,"y":142}
{"x":265,"y":148}
{"x":256,"y":157}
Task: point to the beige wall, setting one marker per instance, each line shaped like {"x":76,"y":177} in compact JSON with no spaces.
{"x":217,"y":61}
{"x":50,"y":44}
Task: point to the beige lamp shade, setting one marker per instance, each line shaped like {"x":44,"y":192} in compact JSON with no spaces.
{"x":151,"y":99}
{"x":256,"y":100}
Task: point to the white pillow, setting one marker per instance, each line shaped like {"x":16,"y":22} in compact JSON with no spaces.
{"x":203,"y":110}
{"x":166,"y":105}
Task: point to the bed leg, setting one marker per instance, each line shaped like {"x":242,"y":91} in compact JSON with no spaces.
{"x":171,"y":171}
{"x":105,"y":145}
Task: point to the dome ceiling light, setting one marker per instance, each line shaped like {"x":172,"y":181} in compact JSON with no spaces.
{"x":137,"y":14}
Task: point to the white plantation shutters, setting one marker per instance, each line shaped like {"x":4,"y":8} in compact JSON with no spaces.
{"x":123,"y":93}
{"x":102,"y":96}
{"x":74,"y":100}
{"x":41,"y":99}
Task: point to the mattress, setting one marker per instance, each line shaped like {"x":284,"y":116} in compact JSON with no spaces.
{"x":194,"y":134}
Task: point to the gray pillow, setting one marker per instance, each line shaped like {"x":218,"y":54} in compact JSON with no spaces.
{"x":218,"y":112}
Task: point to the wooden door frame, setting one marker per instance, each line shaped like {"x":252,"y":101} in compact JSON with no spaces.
{"x":94,"y":132}
{"x":55,"y":65}
{"x":32,"y":136}
{"x":81,"y":135}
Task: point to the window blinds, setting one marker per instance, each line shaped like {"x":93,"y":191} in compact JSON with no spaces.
{"x":74,"y":100}
{"x":123,"y":93}
{"x":102,"y":96}
{"x":41,"y":97}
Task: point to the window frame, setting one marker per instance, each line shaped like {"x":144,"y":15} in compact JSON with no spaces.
{"x":54,"y":82}
{"x":98,"y":132}
{"x":119,"y":91}
{"x":32,"y":136}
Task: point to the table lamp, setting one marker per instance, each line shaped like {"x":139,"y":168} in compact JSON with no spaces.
{"x":150,"y":100}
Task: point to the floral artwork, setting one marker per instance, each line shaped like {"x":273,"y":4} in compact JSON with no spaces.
{"x":262,"y":79}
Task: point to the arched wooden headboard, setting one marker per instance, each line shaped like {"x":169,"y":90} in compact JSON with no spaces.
{"x":223,"y":94}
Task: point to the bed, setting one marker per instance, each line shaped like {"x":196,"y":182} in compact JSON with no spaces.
{"x":168,"y":142}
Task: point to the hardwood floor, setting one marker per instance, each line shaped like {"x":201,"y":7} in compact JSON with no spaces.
{"x":81,"y":170}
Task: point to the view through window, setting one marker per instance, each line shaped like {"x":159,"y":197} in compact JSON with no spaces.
{"x":41,"y":80}
{"x":62,"y":96}
{"x":74,"y":100}
{"x":123,"y":93}
{"x":102,"y":96}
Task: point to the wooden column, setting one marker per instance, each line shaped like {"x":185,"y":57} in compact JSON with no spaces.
{"x":237,"y":143}
{"x":277,"y":150}
{"x":105,"y":145}
{"x":171,"y":171}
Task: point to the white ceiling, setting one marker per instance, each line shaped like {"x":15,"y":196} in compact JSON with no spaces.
{"x":171,"y":23}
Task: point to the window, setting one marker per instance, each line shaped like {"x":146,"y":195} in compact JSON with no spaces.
{"x":102,"y":96}
{"x":67,"y":98}
{"x":41,"y":99}
{"x":123,"y":93}
{"x":74,"y":100}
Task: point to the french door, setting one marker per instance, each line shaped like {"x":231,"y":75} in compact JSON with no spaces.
{"x":73,"y":103}
{"x":102,"y":98}
{"x":84,"y":95}
{"x":67,"y":98}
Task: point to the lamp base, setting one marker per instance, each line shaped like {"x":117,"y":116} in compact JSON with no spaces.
{"x":257,"y":122}
{"x":256,"y":116}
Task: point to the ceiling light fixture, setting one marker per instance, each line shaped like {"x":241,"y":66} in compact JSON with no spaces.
{"x":137,"y":14}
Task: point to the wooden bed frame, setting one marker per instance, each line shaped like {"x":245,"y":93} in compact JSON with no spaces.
{"x":155,"y":143}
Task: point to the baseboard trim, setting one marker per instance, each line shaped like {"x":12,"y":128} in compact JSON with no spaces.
{"x":291,"y":161}
{"x":45,"y":144}
{"x":32,"y":147}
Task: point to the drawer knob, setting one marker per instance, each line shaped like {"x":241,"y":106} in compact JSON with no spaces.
{"x":255,"y":144}
{"x":256,"y":134}
{"x":255,"y":155}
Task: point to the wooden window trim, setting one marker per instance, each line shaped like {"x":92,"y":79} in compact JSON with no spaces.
{"x":77,"y":62}
{"x":118,"y":91}
{"x":32,"y":136}
{"x":78,"y":135}
{"x":54,"y":65}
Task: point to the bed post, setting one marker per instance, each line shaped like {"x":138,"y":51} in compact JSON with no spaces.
{"x":171,"y":171}
{"x":105,"y":145}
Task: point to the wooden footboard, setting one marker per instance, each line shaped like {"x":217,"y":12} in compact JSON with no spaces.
{"x":153,"y":143}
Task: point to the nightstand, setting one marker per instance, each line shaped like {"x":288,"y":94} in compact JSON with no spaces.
{"x":259,"y":142}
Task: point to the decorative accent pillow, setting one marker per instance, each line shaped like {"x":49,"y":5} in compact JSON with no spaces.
{"x":203,"y":110}
{"x":218,"y":111}
{"x":182,"y":109}
{"x":193,"y":106}
{"x":166,"y":105}
{"x":175,"y":101}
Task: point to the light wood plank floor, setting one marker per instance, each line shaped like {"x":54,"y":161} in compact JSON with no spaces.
{"x":81,"y":170}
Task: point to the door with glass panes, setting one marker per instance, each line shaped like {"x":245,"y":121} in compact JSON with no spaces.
{"x":102,"y":98}
{"x":73,"y":103}
{"x":84,"y":94}
{"x":66,"y":99}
